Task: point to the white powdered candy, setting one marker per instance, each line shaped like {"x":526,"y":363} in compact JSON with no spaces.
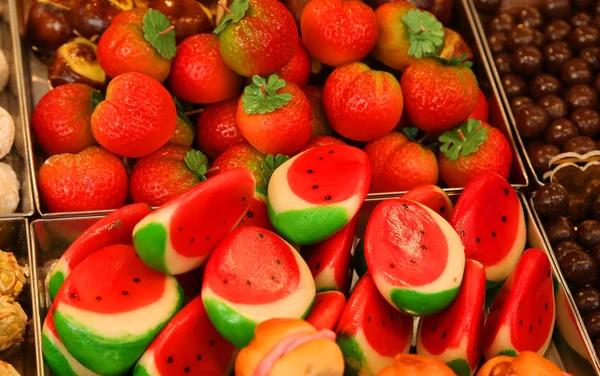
{"x":7,"y":132}
{"x":9,"y":189}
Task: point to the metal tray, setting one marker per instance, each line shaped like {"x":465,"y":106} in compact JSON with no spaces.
{"x":463,"y":22}
{"x":51,"y":237}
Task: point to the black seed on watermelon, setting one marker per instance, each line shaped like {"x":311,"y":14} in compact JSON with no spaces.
{"x":208,"y":237}
{"x":405,"y":206}
{"x":181,"y":229}
{"x":225,"y":281}
{"x":540,"y":321}
{"x":330,"y":151}
{"x":74,"y":296}
{"x":170,"y":359}
{"x":244,"y":198}
{"x":310,"y":171}
{"x":136,"y":280}
{"x":444,"y":335}
{"x":98,"y":298}
{"x":369,"y":318}
{"x":546,"y":306}
{"x":315,"y":186}
{"x":424,"y":247}
{"x":211,"y":343}
{"x":248,"y":283}
{"x":192,"y":240}
{"x":478,"y":240}
{"x":493,"y":234}
{"x":223,"y":224}
{"x":503,"y":219}
{"x":442,"y":209}
{"x":318,"y":266}
{"x":273,"y":278}
{"x":186,"y":369}
{"x":249,"y":214}
{"x":520,"y":322}
{"x":531,"y":328}
{"x":278,"y":261}
{"x":125,"y":293}
{"x":462,"y":232}
{"x":435,"y":328}
{"x":199,"y":357}
{"x":261,"y":235}
{"x":327,"y":198}
{"x":383,"y":323}
{"x":506,"y":191}
{"x":422,"y":232}
{"x":392,"y":266}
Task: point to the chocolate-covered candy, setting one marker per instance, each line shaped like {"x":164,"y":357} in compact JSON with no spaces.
{"x":596,"y":21}
{"x":557,"y":30}
{"x":560,"y":131}
{"x":502,"y":62}
{"x":597,"y":348}
{"x":587,"y":300}
{"x":564,"y":248}
{"x":543,"y":84}
{"x":581,"y":96}
{"x":539,"y":40}
{"x":588,"y":233}
{"x":551,"y":201}
{"x":576,"y":71}
{"x":527,"y":60}
{"x":531,"y":121}
{"x":587,"y":121}
{"x":554,"y":106}
{"x":579,"y":269}
{"x":580,"y":144}
{"x":592,"y":56}
{"x":592,"y":325}
{"x":592,"y":189}
{"x":556,"y":54}
{"x":559,"y":230}
{"x":531,"y":17}
{"x":596,"y":207}
{"x":553,"y":9}
{"x":487,"y":6}
{"x":584,"y":36}
{"x":520,"y":35}
{"x":583,"y":4}
{"x":597,"y":83}
{"x":519,"y":102}
{"x":75,"y":62}
{"x":579,"y":209}
{"x":581,"y":19}
{"x":502,"y":22}
{"x":513,"y":85}
{"x":188,"y":16}
{"x":49,"y":24}
{"x":496,"y":41}
{"x":92,"y":17}
{"x":540,"y":154}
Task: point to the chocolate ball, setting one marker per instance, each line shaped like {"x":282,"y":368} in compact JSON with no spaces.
{"x":531,"y":121}
{"x":596,"y":21}
{"x":530,"y":17}
{"x":564,"y":248}
{"x":581,"y":19}
{"x":540,"y":155}
{"x":554,"y":106}
{"x":543,"y":84}
{"x":539,"y":40}
{"x":583,"y":4}
{"x":559,"y":230}
{"x":579,"y":209}
{"x":595,"y":253}
{"x":502,"y":22}
{"x":520,"y":35}
{"x":587,"y":300}
{"x":597,"y":83}
{"x":502,"y":62}
{"x":584,"y":36}
{"x":596,"y":207}
{"x":519,"y":102}
{"x":588,"y":233}
{"x":527,"y":60}
{"x":587,"y":121}
{"x":581,"y":96}
{"x":576,"y":71}
{"x":592,"y":56}
{"x":496,"y":41}
{"x":513,"y":85}
{"x":592,"y":189}
{"x":556,"y":54}
{"x":579,"y":269}
{"x":551,"y":201}
{"x":592,"y":325}
{"x":580,"y":145}
{"x":560,"y":131}
{"x":554,"y":9}
{"x":487,"y":6}
{"x":557,"y":30}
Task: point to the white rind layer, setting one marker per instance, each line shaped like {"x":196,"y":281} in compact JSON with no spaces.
{"x":147,"y":361}
{"x":567,"y":327}
{"x":77,"y":367}
{"x":503,"y":342}
{"x":447,"y":356}
{"x":375,"y":361}
{"x":325,"y":280}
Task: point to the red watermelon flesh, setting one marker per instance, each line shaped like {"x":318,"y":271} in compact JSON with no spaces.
{"x":189,"y":344}
{"x":257,"y":214}
{"x":433,"y":197}
{"x":329,"y":260}
{"x":453,"y":336}
{"x":490,"y":221}
{"x":327,"y":310}
{"x":522,"y":315}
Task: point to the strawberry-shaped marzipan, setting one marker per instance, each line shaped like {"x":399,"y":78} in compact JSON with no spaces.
{"x":184,"y":131}
{"x":322,"y":141}
{"x":362,"y":104}
{"x":274,"y":116}
{"x":297,"y":69}
{"x":216,"y":128}
{"x":199,"y":74}
{"x":137,"y":117}
{"x":318,"y":120}
{"x":240,"y":156}
{"x":337,"y":32}
{"x":406,"y":34}
{"x":257,"y":37}
{"x":138,"y":40}
{"x":480,"y":112}
{"x":471,"y":149}
{"x":96,"y":180}
{"x":439,"y":94}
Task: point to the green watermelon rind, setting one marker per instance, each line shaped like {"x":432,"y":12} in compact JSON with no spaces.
{"x":55,"y":282}
{"x":152,"y":238}
{"x":422,"y":304}
{"x":56,"y":360}
{"x":140,"y":371}
{"x":298,"y":226}
{"x":354,"y":359}
{"x":233,"y":326}
{"x":460,"y":367}
{"x":509,"y":352}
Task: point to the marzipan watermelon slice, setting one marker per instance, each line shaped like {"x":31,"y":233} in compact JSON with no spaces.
{"x":567,"y":325}
{"x":257,"y":213}
{"x":491,"y":223}
{"x":433,"y":197}
{"x":317,"y":192}
{"x":453,"y":336}
{"x":371,"y":332}
{"x":522,"y":316}
{"x":115,"y":228}
{"x":111,"y":307}
{"x":329,"y":260}
{"x":179,"y":236}
{"x":415,"y":257}
{"x":326,"y":311}
{"x":189,"y":344}
{"x":252,"y":276}
{"x":57,"y":357}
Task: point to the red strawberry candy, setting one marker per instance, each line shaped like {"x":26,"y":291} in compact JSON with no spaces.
{"x":318,"y":120}
{"x":199,"y":74}
{"x":242,"y":155}
{"x":61,"y":119}
{"x":94,"y":179}
{"x":471,"y":149}
{"x":216,"y":128}
{"x":184,"y":132}
{"x":274,"y":116}
{"x":322,"y":141}
{"x":480,"y":112}
{"x":337,"y":32}
{"x":297,"y":69}
{"x":137,"y":117}
{"x":362,"y":104}
{"x":398,"y":164}
{"x":257,"y":37}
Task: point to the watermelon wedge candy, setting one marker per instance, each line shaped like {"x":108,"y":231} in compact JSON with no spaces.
{"x":453,"y":336}
{"x":115,"y":228}
{"x":257,"y":213}
{"x":358,"y":259}
{"x":415,"y":257}
{"x":253,"y":275}
{"x":567,"y":326}
{"x":490,"y":220}
{"x":329,"y":260}
{"x":370,"y":331}
{"x":522,"y":316}
{"x":326,"y":311}
{"x":60,"y":361}
{"x":189,"y":344}
{"x":317,"y":192}
{"x":111,"y":307}
{"x":179,"y":236}
{"x":433,"y":197}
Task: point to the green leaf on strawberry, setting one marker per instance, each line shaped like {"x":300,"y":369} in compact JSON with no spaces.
{"x":181,"y":111}
{"x":96,"y":97}
{"x":160,"y":33}
{"x":453,"y":62}
{"x":261,"y":96}
{"x":463,"y":140}
{"x":411,"y":132}
{"x":197,"y":162}
{"x":269,"y":165}
{"x":426,"y":33}
{"x":233,"y":13}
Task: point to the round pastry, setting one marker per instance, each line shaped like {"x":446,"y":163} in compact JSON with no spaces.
{"x":7,"y":370}
{"x":290,"y":347}
{"x":7,"y":132}
{"x":527,"y":363}
{"x":9,"y":189}
{"x":12,"y":277}
{"x":12,"y":323}
{"x":416,"y":365}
